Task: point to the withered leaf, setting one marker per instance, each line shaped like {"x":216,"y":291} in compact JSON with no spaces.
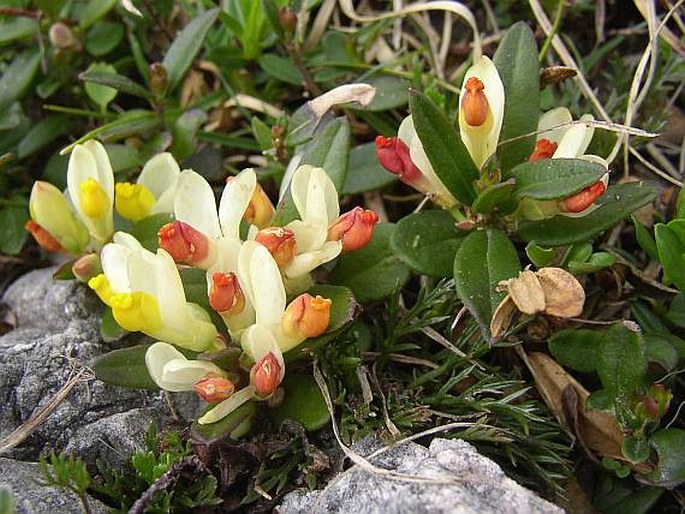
{"x":564,"y":296}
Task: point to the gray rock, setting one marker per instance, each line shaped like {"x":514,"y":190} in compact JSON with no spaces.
{"x":58,"y":327}
{"x":23,"y":481}
{"x":456,"y":480}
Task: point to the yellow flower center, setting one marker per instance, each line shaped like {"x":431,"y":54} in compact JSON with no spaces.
{"x":94,"y":200}
{"x":133,"y":201}
{"x":102,"y":288}
{"x":136,"y":312}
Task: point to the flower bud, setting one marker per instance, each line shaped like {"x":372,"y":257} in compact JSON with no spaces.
{"x":44,"y":239}
{"x":265,"y":375}
{"x":584,"y":199}
{"x":260,"y":209}
{"x":213,"y":389}
{"x":280,"y":242}
{"x":226,"y":296}
{"x":55,"y":226}
{"x":354,"y":229}
{"x":393,"y":154}
{"x":544,"y":149}
{"x":474,"y":103}
{"x":87,"y":267}
{"x":133,"y":201}
{"x":61,"y":37}
{"x":287,"y":20}
{"x":307,"y":316}
{"x":183,"y":242}
{"x":158,"y":79}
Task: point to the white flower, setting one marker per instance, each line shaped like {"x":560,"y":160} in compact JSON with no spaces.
{"x":90,"y":182}
{"x":154,"y":191}
{"x":172,"y":371}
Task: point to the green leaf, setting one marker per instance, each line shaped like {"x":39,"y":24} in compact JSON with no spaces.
{"x":660,"y":350}
{"x":146,"y":230}
{"x":125,"y":367}
{"x":184,"y":131}
{"x":110,"y":330}
{"x":616,"y":204}
{"x":93,"y":11}
{"x":262,"y":134}
{"x":235,"y":425}
{"x":281,"y":68}
{"x":645,"y":239}
{"x":365,"y":172}
{"x":99,"y":94}
{"x":391,"y":93}
{"x":577,"y":349}
{"x":443,"y":146}
{"x":330,"y":150}
{"x":635,"y":450}
{"x":484,"y":258}
{"x":344,"y":307}
{"x":671,"y":249}
{"x":516,"y":60}
{"x":12,"y":232}
{"x":669,"y":444}
{"x":621,"y":363}
{"x":43,"y":133}
{"x":496,"y":197}
{"x":17,"y":77}
{"x":549,"y":179}
{"x":131,"y":123}
{"x":65,"y":271}
{"x":539,"y":256}
{"x":115,"y":81}
{"x":303,"y":402}
{"x":428,"y":241}
{"x":103,"y":37}
{"x":15,"y":28}
{"x":374,"y":272}
{"x":185,"y":47}
{"x":596,"y":262}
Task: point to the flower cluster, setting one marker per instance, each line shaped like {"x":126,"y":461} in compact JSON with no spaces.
{"x":256,"y":272}
{"x":481,"y":113}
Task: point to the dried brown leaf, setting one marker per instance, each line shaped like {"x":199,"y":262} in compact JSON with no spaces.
{"x":501,"y":319}
{"x":526,"y":292}
{"x":564,"y":296}
{"x":555,"y":75}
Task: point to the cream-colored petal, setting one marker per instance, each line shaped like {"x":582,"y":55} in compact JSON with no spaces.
{"x":157,"y":356}
{"x":309,"y":235}
{"x":105,"y":175}
{"x":407,"y":132}
{"x":306,"y":262}
{"x":575,"y":141}
{"x":359,"y":93}
{"x":195,"y":204}
{"x":182,"y":374}
{"x":258,"y":341}
{"x":227,"y":406}
{"x":160,"y":173}
{"x":141,"y":274}
{"x":554,"y":118}
{"x":114,"y":260}
{"x":267,"y":287}
{"x":234,"y":201}
{"x":481,"y":142}
{"x":314,"y":194}
{"x":293,"y":165}
{"x":169,"y":291}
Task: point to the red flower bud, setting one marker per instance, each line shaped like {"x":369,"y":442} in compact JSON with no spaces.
{"x":265,"y":375}
{"x":183,"y":242}
{"x":307,"y":316}
{"x":393,"y":154}
{"x":43,"y":237}
{"x":226,"y":295}
{"x":214,"y":389}
{"x":474,"y":103}
{"x":354,"y":229}
{"x":584,"y":199}
{"x":280,"y":242}
{"x":544,"y":149}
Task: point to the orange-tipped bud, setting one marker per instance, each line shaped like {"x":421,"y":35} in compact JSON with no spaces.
{"x":354,"y":229}
{"x":265,"y":375}
{"x":214,"y":389}
{"x":260,"y":209}
{"x":544,"y":149}
{"x":226,"y":296}
{"x":393,"y":154}
{"x":474,"y":103}
{"x":280,"y":242}
{"x":307,"y":316}
{"x":584,"y":199}
{"x":87,"y":267}
{"x":43,"y":237}
{"x":183,"y":242}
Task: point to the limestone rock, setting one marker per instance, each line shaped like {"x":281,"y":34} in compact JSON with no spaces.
{"x":458,"y":480}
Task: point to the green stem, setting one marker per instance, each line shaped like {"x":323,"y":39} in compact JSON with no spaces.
{"x":78,"y":112}
{"x":555,"y":28}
